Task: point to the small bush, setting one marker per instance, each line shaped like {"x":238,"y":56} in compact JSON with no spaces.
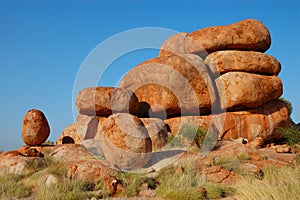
{"x":12,"y":188}
{"x":131,"y":183}
{"x":291,"y":134}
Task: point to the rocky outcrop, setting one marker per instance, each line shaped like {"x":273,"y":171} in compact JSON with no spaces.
{"x":260,"y":122}
{"x":242,"y":91}
{"x":250,"y":34}
{"x":157,"y":131}
{"x":177,"y":85}
{"x":221,"y":62}
{"x":35,"y":128}
{"x":103,"y":101}
{"x":125,"y":141}
{"x":83,"y":129}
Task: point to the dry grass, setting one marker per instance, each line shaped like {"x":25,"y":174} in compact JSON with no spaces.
{"x":277,"y":184}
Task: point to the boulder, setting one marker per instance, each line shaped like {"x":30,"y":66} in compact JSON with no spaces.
{"x":261,"y":122}
{"x":157,"y":131}
{"x":89,"y":170}
{"x":125,"y":141}
{"x":250,"y":35}
{"x":103,"y":101}
{"x":257,"y":124}
{"x":35,"y":128}
{"x":283,"y":148}
{"x":70,"y":152}
{"x":175,"y":85}
{"x":14,"y":162}
{"x":241,"y":90}
{"x":83,"y":129}
{"x":221,"y":62}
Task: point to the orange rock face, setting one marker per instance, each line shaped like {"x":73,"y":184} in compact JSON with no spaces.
{"x":174,"y":85}
{"x":157,"y":131}
{"x":35,"y":128}
{"x":103,"y":101}
{"x":248,"y":34}
{"x":83,"y":129}
{"x":125,"y":141}
{"x":260,"y":122}
{"x":241,"y":90}
{"x":246,"y":61}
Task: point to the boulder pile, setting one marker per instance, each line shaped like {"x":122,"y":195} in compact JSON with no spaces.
{"x":216,"y":77}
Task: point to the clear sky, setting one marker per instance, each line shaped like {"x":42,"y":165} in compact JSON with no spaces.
{"x":43,"y":44}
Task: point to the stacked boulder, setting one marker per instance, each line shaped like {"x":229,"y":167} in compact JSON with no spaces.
{"x":107,"y":116}
{"x":214,"y":77}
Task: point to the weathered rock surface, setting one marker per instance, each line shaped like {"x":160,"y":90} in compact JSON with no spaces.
{"x":83,"y":129}
{"x":241,"y":90}
{"x":90,"y":170}
{"x":260,"y":122}
{"x":35,"y":128}
{"x":125,"y":141}
{"x":221,"y":62}
{"x":103,"y":101}
{"x":14,"y":162}
{"x":70,"y":152}
{"x":283,"y":148}
{"x":174,"y":84}
{"x":247,"y":34}
{"x":157,"y":131}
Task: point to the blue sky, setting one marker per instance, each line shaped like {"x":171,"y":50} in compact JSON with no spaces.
{"x":43,"y":43}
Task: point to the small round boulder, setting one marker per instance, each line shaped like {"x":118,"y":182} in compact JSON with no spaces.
{"x":35,"y":128}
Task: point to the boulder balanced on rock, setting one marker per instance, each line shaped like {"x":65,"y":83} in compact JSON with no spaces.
{"x":35,"y":128}
{"x":250,"y":35}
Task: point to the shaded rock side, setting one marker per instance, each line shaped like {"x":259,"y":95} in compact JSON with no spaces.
{"x":83,"y":129}
{"x":249,"y":34}
{"x":125,"y":141}
{"x":221,"y":62}
{"x":103,"y":101}
{"x":173,"y":85}
{"x":241,"y":90}
{"x":157,"y":131}
{"x":35,"y":128}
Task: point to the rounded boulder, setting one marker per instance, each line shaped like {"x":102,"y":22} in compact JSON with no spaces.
{"x":35,"y":128}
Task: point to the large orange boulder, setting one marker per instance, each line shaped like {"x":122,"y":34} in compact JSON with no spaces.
{"x":177,"y":84}
{"x":35,"y":128}
{"x":103,"y":101}
{"x":247,"y":34}
{"x":241,"y":90}
{"x":261,"y":122}
{"x":221,"y":62}
{"x":125,"y":141}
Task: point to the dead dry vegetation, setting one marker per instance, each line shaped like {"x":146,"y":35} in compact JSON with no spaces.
{"x":181,"y":181}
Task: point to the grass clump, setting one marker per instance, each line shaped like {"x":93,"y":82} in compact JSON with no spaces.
{"x":188,"y":184}
{"x":12,"y":188}
{"x":277,"y":183}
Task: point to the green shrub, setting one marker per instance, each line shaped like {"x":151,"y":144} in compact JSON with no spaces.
{"x":12,"y":188}
{"x":291,"y":134}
